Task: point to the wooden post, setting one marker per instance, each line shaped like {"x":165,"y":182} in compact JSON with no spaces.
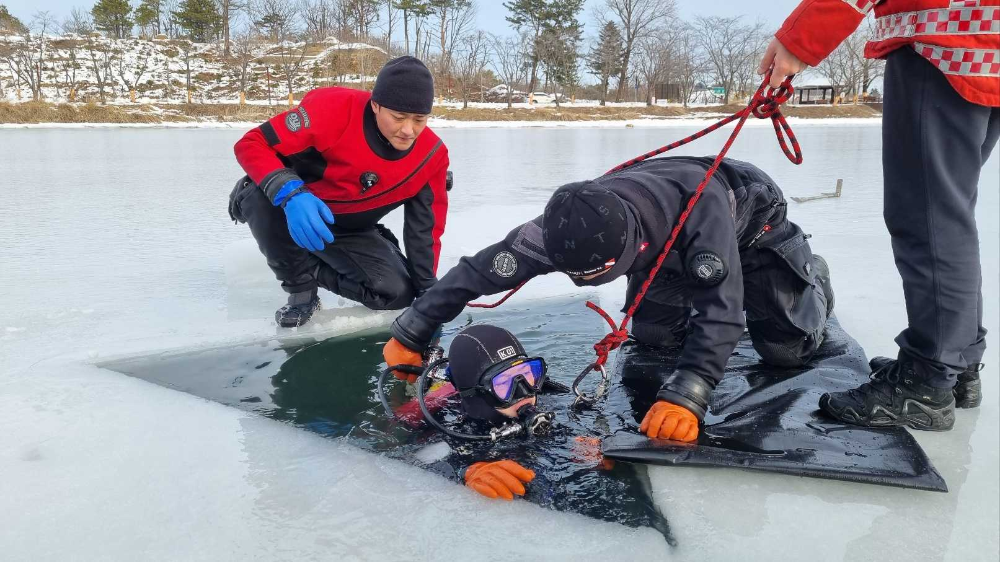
{"x":828,"y":195}
{"x":72,"y":94}
{"x":189,"y":96}
{"x":243,"y":99}
{"x":131,"y":95}
{"x":840,"y":187}
{"x":291,"y":100}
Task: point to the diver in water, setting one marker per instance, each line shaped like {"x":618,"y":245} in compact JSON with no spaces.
{"x":510,"y":404}
{"x":738,"y":262}
{"x":498,"y":384}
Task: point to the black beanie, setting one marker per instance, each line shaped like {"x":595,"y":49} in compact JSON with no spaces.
{"x":404,"y":84}
{"x":585,"y":228}
{"x":474,"y":351}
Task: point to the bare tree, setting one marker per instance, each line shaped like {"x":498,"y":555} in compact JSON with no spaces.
{"x":101,"y":55}
{"x":26,"y":57}
{"x":689,"y":61}
{"x":473,"y":57}
{"x":67,"y":68}
{"x":508,"y":61}
{"x":319,"y":17}
{"x":654,"y":60}
{"x":730,"y":47}
{"x":78,"y":22}
{"x":847,"y":68}
{"x":453,"y":19}
{"x":246,"y":49}
{"x":637,"y":19}
{"x":131,"y":73}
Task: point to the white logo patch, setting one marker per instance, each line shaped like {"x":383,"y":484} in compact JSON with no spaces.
{"x":505,"y":264}
{"x":293,"y":122}
{"x":506,"y":352}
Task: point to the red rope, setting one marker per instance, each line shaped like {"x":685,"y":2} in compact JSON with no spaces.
{"x":763,"y":106}
{"x":509,"y":294}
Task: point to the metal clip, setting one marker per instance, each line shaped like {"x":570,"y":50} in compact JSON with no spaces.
{"x":599,"y":392}
{"x":504,"y":431}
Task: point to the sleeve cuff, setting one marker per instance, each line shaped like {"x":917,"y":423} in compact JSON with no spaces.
{"x":413,"y":330}
{"x":273,"y":182}
{"x":689,"y":390}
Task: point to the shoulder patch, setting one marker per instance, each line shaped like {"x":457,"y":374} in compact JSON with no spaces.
{"x":305,"y":117}
{"x":504,"y":264}
{"x":707,"y":269}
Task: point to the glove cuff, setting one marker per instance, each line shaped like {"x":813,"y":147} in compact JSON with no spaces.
{"x":273,"y":183}
{"x":413,"y":330}
{"x":688,"y":390}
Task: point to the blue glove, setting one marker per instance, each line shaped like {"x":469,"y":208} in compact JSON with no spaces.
{"x":305,"y":214}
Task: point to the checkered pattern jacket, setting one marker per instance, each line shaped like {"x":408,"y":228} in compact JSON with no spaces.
{"x":960,"y":37}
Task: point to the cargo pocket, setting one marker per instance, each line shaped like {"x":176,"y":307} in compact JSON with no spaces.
{"x":792,"y":278}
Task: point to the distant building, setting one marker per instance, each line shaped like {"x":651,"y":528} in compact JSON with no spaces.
{"x":813,"y":95}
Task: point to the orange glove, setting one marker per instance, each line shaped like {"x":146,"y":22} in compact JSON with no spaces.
{"x":670,"y":421}
{"x":501,"y":479}
{"x":396,"y":353}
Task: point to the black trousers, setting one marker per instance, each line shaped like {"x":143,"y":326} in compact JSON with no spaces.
{"x":362,"y":265}
{"x":934,"y":144}
{"x":785,"y":305}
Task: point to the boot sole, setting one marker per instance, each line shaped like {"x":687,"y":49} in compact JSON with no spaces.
{"x":915,"y":415}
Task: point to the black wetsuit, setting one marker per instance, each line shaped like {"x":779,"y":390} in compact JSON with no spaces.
{"x":739,"y":225}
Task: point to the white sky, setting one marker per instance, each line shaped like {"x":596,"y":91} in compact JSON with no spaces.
{"x":492,"y":13}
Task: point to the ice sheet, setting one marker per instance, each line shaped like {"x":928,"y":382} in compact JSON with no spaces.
{"x":122,"y":247}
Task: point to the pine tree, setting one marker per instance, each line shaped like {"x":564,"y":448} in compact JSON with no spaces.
{"x":9,"y":23}
{"x":200,"y":18}
{"x":147,"y":17}
{"x":605,"y":57}
{"x":113,"y":17}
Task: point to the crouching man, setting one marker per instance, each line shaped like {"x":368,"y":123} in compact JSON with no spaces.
{"x":321,"y":176}
{"x":738,"y":262}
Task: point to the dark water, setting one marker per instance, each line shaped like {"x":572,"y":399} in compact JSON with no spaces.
{"x":330,"y":387}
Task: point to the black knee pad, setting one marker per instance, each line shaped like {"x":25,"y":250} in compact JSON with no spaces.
{"x":395,"y":294}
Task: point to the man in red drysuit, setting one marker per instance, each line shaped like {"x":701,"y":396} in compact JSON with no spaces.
{"x":941,"y":122}
{"x":321,"y":176}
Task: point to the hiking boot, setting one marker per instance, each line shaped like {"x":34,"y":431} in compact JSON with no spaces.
{"x":893,"y":397}
{"x":298,"y":311}
{"x":823,"y":277}
{"x":969,"y":389}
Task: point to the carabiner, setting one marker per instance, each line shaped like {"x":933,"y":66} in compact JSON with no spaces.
{"x":599,"y":392}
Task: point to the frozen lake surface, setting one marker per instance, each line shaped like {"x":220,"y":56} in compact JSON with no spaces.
{"x":117,"y":242}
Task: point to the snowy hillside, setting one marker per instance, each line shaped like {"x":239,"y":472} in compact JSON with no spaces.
{"x":76,"y":68}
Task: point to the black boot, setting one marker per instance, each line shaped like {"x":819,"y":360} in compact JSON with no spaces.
{"x":893,"y":397}
{"x":299,"y":309}
{"x":823,"y":276}
{"x":969,"y":389}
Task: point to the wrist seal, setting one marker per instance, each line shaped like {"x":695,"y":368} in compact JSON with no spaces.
{"x":688,"y":390}
{"x":413,"y":330}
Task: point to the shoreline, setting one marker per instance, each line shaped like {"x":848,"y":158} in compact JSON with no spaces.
{"x":438,"y":123}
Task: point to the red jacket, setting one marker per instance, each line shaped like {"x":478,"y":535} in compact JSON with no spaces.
{"x":960,"y":37}
{"x":330,"y":141}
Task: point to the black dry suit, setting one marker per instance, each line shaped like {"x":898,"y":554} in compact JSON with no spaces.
{"x":737,"y":254}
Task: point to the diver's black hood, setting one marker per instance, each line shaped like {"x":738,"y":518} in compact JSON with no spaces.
{"x":475,"y":350}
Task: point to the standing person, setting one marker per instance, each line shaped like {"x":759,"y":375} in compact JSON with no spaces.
{"x":739,"y":261}
{"x":940,"y":123}
{"x":321,"y":176}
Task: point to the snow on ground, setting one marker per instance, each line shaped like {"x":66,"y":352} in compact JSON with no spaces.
{"x":127,"y":249}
